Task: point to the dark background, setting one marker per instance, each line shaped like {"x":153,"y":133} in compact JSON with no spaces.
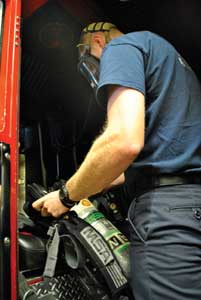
{"x":53,"y":95}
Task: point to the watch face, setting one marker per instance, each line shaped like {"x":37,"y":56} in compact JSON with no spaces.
{"x":64,"y":197}
{"x":63,"y":193}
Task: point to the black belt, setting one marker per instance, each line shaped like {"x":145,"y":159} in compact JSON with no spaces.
{"x":166,"y":180}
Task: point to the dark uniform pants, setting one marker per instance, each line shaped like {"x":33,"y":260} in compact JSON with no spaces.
{"x":166,"y":243}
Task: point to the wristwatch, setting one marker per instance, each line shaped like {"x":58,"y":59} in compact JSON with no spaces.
{"x":64,"y":197}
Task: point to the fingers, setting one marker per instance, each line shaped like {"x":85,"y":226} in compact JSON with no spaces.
{"x":54,"y":208}
{"x":38,"y":204}
{"x":50,"y":205}
{"x":44,"y":212}
{"x":41,"y":205}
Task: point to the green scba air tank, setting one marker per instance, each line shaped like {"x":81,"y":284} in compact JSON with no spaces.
{"x":118,"y":242}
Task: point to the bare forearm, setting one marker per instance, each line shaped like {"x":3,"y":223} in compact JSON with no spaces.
{"x":110,"y":155}
{"x":118,"y":181}
{"x":105,"y":161}
{"x":116,"y":148}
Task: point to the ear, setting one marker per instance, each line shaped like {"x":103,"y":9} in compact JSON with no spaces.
{"x":99,"y":39}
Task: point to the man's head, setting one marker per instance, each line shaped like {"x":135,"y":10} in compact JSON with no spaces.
{"x":95,"y":36}
{"x":93,"y":39}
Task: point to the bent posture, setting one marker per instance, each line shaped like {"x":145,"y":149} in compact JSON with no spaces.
{"x":152,"y":135}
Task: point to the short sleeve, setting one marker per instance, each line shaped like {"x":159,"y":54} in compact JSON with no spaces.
{"x":123,"y":65}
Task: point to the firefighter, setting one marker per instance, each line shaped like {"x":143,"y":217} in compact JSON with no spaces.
{"x":151,"y":139}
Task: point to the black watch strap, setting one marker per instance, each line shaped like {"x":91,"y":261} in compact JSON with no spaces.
{"x":64,"y":197}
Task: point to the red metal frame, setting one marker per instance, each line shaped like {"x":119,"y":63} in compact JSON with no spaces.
{"x":9,"y":115}
{"x":9,"y":105}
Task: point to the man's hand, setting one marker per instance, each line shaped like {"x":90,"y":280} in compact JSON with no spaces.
{"x":50,"y":205}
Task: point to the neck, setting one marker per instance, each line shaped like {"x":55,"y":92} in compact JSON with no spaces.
{"x":115,"y":33}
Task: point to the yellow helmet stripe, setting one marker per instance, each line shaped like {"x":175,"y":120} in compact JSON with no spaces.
{"x":99,"y":26}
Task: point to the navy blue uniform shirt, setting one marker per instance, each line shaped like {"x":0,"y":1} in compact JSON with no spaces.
{"x":148,"y":63}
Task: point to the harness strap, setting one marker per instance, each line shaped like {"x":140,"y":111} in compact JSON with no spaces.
{"x":52,"y":255}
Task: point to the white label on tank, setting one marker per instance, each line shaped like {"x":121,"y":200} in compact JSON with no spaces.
{"x":98,"y":244}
